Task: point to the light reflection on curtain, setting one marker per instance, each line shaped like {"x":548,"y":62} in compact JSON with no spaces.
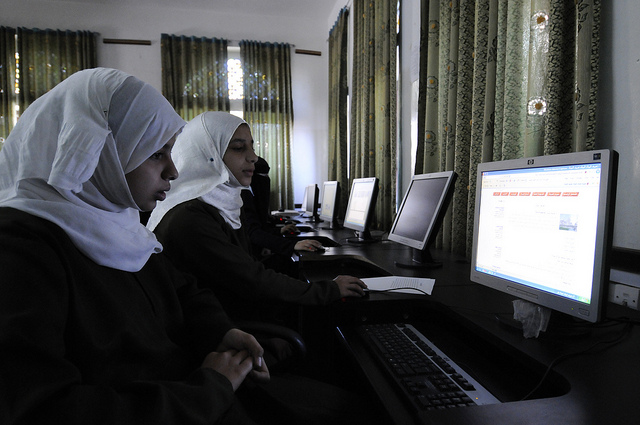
{"x":194,"y":74}
{"x":500,"y":80}
{"x":46,"y":57}
{"x":268,"y":108}
{"x":7,"y":80}
{"x":338,"y":91}
{"x":373,"y":102}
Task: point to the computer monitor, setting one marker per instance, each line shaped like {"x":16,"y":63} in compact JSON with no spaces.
{"x":303,"y":205}
{"x":330,"y":205}
{"x":543,"y":229}
{"x":360,"y":209}
{"x":420,"y":216}
{"x":311,"y":202}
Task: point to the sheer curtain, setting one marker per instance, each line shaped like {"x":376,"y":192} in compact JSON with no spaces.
{"x":338,"y":95}
{"x":500,"y":80}
{"x":268,"y":108}
{"x":194,"y":74}
{"x":46,"y":57}
{"x":373,"y":102}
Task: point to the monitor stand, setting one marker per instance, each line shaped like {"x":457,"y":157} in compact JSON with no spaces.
{"x":538,"y":321}
{"x":362,"y":237}
{"x":421,"y":259}
{"x":332,"y":225}
{"x":312,"y":218}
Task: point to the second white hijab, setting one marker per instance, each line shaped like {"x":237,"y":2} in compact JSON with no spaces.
{"x":198,"y":156}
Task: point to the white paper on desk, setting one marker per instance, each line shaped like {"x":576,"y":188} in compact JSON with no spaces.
{"x":401,"y":284}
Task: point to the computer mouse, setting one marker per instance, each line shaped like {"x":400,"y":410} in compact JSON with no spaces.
{"x":320,"y":249}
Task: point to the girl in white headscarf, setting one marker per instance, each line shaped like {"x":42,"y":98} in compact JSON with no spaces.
{"x":67,"y":157}
{"x":95,"y":326}
{"x":200,"y":223}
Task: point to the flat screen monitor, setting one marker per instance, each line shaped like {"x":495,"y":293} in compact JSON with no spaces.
{"x":543,"y":229}
{"x":311,"y":202}
{"x":360,"y":209}
{"x":420,"y":215}
{"x":303,"y":206}
{"x":329,"y":207}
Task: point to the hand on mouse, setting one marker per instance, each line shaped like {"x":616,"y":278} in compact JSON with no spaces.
{"x":308,"y":245}
{"x":289,"y":229}
{"x":350,"y":286}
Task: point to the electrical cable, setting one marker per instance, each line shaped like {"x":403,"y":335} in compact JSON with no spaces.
{"x":610,"y":343}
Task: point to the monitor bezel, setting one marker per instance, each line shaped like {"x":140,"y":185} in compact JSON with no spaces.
{"x":594,"y":311}
{"x":436,"y":219}
{"x":333,"y":217}
{"x":312,"y":192}
{"x":370,"y":208}
{"x":303,"y":205}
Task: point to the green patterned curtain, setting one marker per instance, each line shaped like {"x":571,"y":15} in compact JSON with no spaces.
{"x":44,"y":58}
{"x":194,"y":74}
{"x":373,"y":102}
{"x":501,"y":80}
{"x":338,"y":95}
{"x":7,"y":80}
{"x":268,"y":108}
{"x":47,"y":57}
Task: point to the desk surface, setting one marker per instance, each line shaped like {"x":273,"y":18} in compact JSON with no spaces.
{"x":593,"y":379}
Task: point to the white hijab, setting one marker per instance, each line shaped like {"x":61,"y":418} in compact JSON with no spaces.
{"x":203,"y":175}
{"x":67,"y":157}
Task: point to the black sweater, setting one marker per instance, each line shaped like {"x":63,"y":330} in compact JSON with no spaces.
{"x":198,"y":240}
{"x":86,"y":344}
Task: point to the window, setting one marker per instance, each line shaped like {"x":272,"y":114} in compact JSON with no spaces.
{"x":234,"y":75}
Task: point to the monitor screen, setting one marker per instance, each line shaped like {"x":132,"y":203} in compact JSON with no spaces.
{"x":330,"y":202}
{"x":311,"y":201}
{"x":421,"y":213}
{"x":362,"y":200}
{"x":542,"y":229}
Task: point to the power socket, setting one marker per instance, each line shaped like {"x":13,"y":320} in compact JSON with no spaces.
{"x":624,"y":295}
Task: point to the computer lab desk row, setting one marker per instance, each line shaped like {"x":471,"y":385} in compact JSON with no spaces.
{"x":584,"y":373}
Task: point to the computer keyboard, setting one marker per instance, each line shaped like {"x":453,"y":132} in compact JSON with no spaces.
{"x":429,"y":379}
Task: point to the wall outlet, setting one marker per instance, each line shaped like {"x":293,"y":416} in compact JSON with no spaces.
{"x":624,"y":295}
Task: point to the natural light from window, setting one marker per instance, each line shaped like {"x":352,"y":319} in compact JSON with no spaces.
{"x":234,"y":76}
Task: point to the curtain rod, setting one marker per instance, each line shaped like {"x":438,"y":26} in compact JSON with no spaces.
{"x":126,"y":41}
{"x":148,"y":43}
{"x":298,"y":51}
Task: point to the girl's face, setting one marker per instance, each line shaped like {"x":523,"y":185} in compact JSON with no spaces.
{"x":151,"y":180}
{"x":239,"y":157}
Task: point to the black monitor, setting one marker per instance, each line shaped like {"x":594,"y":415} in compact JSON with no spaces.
{"x":360,"y":209}
{"x":330,"y":205}
{"x":420,"y":216}
{"x":310,"y":206}
{"x":543,"y":229}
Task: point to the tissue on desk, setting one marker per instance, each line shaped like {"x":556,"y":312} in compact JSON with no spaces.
{"x":534,"y":318}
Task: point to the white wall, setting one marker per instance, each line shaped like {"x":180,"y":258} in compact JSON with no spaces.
{"x":618,"y":125}
{"x":132,"y":19}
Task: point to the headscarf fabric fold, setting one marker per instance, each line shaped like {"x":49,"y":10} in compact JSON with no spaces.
{"x":198,"y":155}
{"x":66,"y":160}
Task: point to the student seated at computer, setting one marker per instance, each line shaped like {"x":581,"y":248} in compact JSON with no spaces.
{"x":200,"y":223}
{"x":95,"y":325}
{"x":266,"y":236}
